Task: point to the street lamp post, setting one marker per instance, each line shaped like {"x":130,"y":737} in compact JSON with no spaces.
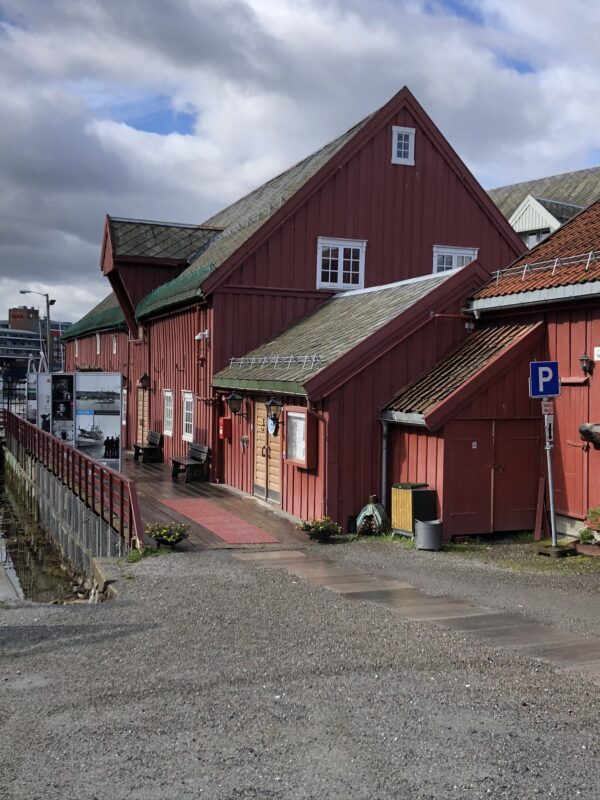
{"x":48,"y":331}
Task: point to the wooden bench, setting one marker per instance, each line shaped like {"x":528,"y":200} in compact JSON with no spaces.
{"x":195,"y":465}
{"x":151,"y":450}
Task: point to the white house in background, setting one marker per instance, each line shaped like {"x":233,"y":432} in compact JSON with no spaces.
{"x":536,"y":208}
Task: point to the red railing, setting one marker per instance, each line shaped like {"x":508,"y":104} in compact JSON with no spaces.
{"x":110,"y":494}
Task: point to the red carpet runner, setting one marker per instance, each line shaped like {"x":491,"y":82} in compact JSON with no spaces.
{"x":226,"y":526}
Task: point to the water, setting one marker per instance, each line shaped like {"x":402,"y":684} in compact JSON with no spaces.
{"x":30,"y":566}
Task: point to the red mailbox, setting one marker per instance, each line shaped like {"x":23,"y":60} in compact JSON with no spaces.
{"x":224,"y":427}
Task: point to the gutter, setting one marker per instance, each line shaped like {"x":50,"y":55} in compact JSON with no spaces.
{"x":555,"y":294}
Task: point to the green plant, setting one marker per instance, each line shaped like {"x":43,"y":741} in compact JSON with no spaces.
{"x":586,"y":536}
{"x":322,"y":528}
{"x":593,"y":515}
{"x":133,"y":556}
{"x":167,"y":532}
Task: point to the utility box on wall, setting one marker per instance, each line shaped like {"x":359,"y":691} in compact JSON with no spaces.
{"x":224,"y":427}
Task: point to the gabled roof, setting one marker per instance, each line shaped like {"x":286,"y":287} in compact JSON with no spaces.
{"x":288,"y":361}
{"x":537,"y":213}
{"x":562,"y":212}
{"x":578,"y":188}
{"x":458,"y":374}
{"x":106,"y":315}
{"x":238,"y":222}
{"x":570,"y":257}
{"x":249,"y":221}
{"x":140,"y":238}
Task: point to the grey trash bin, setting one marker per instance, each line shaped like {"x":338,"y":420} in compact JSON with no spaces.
{"x":428,"y":534}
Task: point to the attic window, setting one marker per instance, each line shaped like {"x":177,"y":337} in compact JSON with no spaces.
{"x":447,"y":258}
{"x":403,"y":145}
{"x":340,"y":263}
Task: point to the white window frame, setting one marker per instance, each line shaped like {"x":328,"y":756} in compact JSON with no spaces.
{"x":76,"y":348}
{"x":409,"y":159}
{"x":339,"y":285}
{"x":187,"y":421}
{"x":97,"y":344}
{"x":458,"y":257}
{"x":168,"y":406}
{"x":114,"y":344}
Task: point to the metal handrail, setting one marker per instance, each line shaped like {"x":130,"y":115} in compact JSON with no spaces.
{"x":110,"y":494}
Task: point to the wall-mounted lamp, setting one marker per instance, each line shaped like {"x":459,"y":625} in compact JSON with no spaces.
{"x":586,"y":364}
{"x":274,"y":407}
{"x":144,"y":381}
{"x":234,"y":401}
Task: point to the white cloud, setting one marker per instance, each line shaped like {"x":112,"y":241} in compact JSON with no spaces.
{"x":515,"y":92}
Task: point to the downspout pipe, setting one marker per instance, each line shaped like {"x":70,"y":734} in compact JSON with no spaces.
{"x":384,"y":460}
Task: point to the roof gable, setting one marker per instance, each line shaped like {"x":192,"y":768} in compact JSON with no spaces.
{"x":531,"y":215}
{"x":578,"y":188}
{"x":434,"y":397}
{"x":248,"y":222}
{"x":135,"y":238}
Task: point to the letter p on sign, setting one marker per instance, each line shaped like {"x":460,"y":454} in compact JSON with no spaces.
{"x":543,"y":379}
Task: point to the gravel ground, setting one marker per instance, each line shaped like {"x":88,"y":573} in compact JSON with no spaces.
{"x":211,"y":677}
{"x":564,"y":592}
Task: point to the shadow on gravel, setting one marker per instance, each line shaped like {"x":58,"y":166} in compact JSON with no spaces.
{"x":22,"y":639}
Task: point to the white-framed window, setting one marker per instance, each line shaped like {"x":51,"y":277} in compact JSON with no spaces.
{"x":188,"y":417}
{"x":124,"y":408}
{"x":340,"y":263}
{"x":295,"y":436}
{"x":97,"y":344}
{"x":76,"y":348}
{"x":168,"y":412}
{"x":114,"y":344}
{"x":403,"y":145}
{"x":447,"y":258}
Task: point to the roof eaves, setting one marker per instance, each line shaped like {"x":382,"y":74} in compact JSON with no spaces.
{"x":278,"y":387}
{"x":533,"y":297}
{"x":403,"y":418}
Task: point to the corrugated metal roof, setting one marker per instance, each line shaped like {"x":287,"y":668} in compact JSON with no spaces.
{"x":579,"y":188}
{"x":107,"y":314}
{"x":539,"y":269}
{"x":327,"y":333}
{"x":451,"y":372}
{"x":164,"y":240}
{"x":239,"y":221}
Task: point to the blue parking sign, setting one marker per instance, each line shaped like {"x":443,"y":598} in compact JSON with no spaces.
{"x":543,"y":379}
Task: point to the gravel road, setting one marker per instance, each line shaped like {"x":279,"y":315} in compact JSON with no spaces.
{"x":211,"y":677}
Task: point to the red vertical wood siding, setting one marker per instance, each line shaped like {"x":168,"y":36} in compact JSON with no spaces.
{"x":417,"y":456}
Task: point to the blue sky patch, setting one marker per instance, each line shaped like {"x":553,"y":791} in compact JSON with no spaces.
{"x":162,"y":120}
{"x":518,"y":65}
{"x":457,"y":8}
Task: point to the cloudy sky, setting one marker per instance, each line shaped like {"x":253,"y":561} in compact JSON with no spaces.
{"x":170,"y":109}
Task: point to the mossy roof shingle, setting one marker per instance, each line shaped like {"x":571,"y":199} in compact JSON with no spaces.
{"x":162,"y":240}
{"x":107,"y":314}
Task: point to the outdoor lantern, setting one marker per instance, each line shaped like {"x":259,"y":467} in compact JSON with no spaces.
{"x":144,"y":381}
{"x":274,"y":407}
{"x":234,"y":401}
{"x":586,"y":364}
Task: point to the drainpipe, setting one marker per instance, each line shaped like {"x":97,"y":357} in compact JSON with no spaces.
{"x":384,"y":460}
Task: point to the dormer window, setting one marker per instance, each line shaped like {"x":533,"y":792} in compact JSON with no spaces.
{"x":340,"y":263}
{"x":403,"y":145}
{"x":447,"y":258}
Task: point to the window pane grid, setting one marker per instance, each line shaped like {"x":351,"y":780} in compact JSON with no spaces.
{"x":341,"y":266}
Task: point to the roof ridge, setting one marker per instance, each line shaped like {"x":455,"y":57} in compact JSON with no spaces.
{"x":543,"y":178}
{"x":190,"y":225}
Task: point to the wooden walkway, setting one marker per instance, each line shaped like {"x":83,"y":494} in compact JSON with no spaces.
{"x":154,"y":484}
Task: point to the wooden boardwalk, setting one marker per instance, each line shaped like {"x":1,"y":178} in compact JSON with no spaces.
{"x":154,"y":484}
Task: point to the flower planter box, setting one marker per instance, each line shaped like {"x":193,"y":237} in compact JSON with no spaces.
{"x":587,"y":549}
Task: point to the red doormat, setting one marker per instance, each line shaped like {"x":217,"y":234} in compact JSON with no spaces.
{"x":223,"y":524}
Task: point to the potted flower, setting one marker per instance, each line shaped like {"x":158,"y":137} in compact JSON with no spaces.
{"x":168,"y":533}
{"x":589,"y":542}
{"x":321,"y":529}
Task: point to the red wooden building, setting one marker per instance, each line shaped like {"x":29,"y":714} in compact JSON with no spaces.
{"x":386,"y":202}
{"x":468,"y":427}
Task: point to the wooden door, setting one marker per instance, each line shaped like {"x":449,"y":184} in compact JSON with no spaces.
{"x":570,"y":455}
{"x":467,"y":487}
{"x":267,"y":457}
{"x":518,"y":456}
{"x":143,"y":413}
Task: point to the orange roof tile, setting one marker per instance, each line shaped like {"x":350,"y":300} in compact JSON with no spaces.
{"x":571,"y":255}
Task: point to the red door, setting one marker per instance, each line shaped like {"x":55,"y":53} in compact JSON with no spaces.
{"x":491,"y":473}
{"x":467,"y":487}
{"x":571,"y":454}
{"x":518,"y":454}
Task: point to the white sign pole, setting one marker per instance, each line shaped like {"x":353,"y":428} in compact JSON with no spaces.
{"x":548,"y":447}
